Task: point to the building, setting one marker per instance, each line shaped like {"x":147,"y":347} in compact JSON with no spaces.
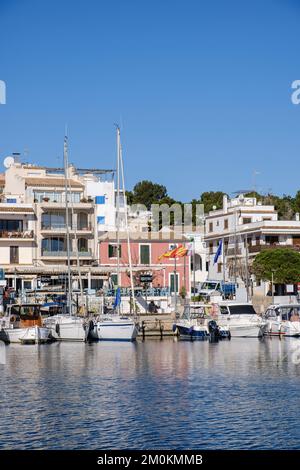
{"x":33,"y":222}
{"x":245,"y":227}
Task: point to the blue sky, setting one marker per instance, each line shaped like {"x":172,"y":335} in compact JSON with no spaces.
{"x":200,"y":88}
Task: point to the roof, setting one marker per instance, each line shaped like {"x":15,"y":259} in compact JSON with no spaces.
{"x":52,"y":182}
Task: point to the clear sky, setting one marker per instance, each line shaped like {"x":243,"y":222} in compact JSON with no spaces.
{"x":201,"y":89}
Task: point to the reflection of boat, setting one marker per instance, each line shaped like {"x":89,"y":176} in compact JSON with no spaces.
{"x":23,"y":324}
{"x":67,"y":327}
{"x":282,"y":320}
{"x":240,"y":318}
{"x":197,"y":322}
{"x":113,"y":328}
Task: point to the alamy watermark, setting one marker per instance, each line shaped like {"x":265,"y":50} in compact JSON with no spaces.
{"x":2,"y":92}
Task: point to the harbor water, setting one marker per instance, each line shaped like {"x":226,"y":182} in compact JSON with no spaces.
{"x":238,"y":394}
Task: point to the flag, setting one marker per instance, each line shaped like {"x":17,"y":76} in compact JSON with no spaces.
{"x":117,"y":301}
{"x":168,"y":254}
{"x":218,"y":252}
{"x":177,"y":252}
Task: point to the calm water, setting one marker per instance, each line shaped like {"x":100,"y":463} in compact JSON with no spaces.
{"x":179,"y":395}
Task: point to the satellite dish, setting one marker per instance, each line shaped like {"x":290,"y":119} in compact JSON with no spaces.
{"x":8,"y":161}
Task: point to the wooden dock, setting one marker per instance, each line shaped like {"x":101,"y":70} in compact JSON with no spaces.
{"x":156,"y":325}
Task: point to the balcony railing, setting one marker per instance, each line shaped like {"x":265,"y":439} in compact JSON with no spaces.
{"x":62,"y":227}
{"x":16,"y":234}
{"x":63,"y":254}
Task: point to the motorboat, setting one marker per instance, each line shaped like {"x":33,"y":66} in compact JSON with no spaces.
{"x":282,"y":320}
{"x":113,"y":327}
{"x":22,"y":323}
{"x":240,"y":318}
{"x":198,"y":322}
{"x":65,"y":327}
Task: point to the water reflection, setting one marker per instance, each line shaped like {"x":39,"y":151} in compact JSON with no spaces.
{"x":155,"y":394}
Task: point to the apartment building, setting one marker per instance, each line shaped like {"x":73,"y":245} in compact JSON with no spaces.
{"x":245,"y":227}
{"x":33,"y":222}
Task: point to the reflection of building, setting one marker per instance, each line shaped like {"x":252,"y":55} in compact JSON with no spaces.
{"x":33,"y":222}
{"x":145,"y":251}
{"x":246,"y":227}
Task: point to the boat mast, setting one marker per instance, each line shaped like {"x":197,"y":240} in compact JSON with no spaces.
{"x":118,"y":210}
{"x":66,"y":165}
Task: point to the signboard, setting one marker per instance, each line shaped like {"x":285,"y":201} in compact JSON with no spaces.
{"x":45,"y":279}
{"x":146,"y":278}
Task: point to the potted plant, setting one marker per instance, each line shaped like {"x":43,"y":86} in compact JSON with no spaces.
{"x":45,"y":199}
{"x":83,"y":199}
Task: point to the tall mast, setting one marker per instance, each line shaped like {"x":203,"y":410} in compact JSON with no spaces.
{"x":66,"y":165}
{"x":118,"y":206}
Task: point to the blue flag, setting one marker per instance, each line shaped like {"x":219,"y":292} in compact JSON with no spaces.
{"x":117,"y":301}
{"x":218,"y":252}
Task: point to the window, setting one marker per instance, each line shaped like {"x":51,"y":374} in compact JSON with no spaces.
{"x":11,"y":201}
{"x":247,"y":220}
{"x":14,"y":254}
{"x":101,"y":220}
{"x":54,"y":220}
{"x":172,"y":282}
{"x":100,"y":199}
{"x":112,"y":251}
{"x":272,"y":239}
{"x":144,"y":254}
{"x":210,"y":229}
{"x":55,"y":244}
{"x":211,"y":248}
{"x":225,"y":224}
{"x":82,"y":244}
{"x":11,"y":225}
{"x":219,"y":267}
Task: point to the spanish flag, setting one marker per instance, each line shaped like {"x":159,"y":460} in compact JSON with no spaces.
{"x":177,"y":252}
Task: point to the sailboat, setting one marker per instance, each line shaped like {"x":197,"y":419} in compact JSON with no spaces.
{"x":67,"y":327}
{"x":115,"y":327}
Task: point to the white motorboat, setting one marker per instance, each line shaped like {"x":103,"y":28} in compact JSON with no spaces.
{"x":22,"y":323}
{"x":240,"y":318}
{"x":197,"y":322}
{"x":114,"y":328}
{"x":64,"y":327}
{"x":282,"y":320}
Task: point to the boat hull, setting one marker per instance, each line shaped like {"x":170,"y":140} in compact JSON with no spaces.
{"x":186,"y":332}
{"x":277,"y":328}
{"x":30,"y":335}
{"x":114,"y":331}
{"x":64,"y":328}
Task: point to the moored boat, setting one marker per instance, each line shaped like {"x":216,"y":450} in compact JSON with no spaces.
{"x":22,"y":323}
{"x":240,"y":318}
{"x":282,"y":320}
{"x":64,"y":327}
{"x":113,"y":328}
{"x":197,"y":322}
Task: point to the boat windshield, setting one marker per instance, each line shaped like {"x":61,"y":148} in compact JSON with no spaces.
{"x":289,"y":313}
{"x":197,"y":311}
{"x":210,"y":285}
{"x":26,"y":312}
{"x":243,"y":309}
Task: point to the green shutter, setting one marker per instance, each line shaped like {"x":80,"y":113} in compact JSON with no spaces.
{"x":145,"y":254}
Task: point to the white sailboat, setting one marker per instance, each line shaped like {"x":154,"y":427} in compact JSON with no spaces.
{"x":67,"y":327}
{"x":115,"y":327}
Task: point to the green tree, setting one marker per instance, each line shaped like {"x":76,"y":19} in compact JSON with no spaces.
{"x":211,"y":199}
{"x":147,"y":193}
{"x":284,"y":263}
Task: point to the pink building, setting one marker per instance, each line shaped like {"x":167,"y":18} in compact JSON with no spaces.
{"x":144,"y":255}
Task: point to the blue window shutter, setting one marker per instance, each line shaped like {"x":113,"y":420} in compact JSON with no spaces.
{"x":100,"y":199}
{"x":11,"y":201}
{"x":101,"y":220}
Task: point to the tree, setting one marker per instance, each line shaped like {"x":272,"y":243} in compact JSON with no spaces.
{"x":211,"y":199}
{"x":147,"y":193}
{"x":284,"y":263}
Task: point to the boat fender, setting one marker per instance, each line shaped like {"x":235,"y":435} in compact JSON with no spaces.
{"x":57,"y":329}
{"x":91,"y":326}
{"x":174,"y":327}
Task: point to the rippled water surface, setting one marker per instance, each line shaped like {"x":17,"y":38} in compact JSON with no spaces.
{"x":242,"y":394}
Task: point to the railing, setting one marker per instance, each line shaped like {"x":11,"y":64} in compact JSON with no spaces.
{"x":61,"y":227}
{"x":151,"y":292}
{"x":63,"y":254}
{"x":16,"y":234}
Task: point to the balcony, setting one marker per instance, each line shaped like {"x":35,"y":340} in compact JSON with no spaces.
{"x":63,"y":254}
{"x":26,"y":234}
{"x":61,"y":228}
{"x":84,"y":206}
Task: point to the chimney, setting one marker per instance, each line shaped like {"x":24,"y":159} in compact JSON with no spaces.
{"x":297,"y":216}
{"x":225,"y":204}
